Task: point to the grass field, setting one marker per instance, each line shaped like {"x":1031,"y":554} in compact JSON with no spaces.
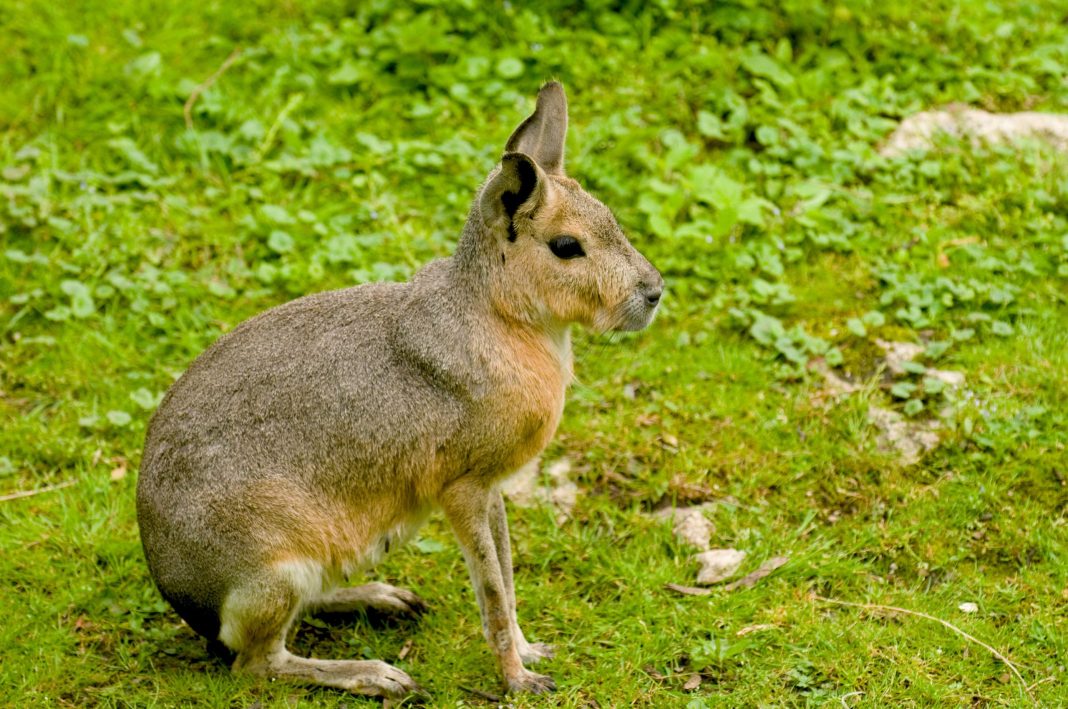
{"x":739,"y":146}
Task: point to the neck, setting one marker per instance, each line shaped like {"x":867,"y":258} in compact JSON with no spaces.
{"x":477,"y":265}
{"x":474,"y":251}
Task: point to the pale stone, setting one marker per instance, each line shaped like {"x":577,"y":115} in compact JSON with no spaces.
{"x":918,"y":132}
{"x":718,"y":565}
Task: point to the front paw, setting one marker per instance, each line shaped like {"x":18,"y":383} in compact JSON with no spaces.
{"x":531,"y":682}
{"x":395,"y":601}
{"x":534,"y":653}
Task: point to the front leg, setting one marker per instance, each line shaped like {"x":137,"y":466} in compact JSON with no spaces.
{"x":380,"y":597}
{"x":468,"y":506}
{"x":529,"y":652}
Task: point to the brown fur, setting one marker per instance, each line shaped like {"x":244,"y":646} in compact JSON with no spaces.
{"x":304,"y":444}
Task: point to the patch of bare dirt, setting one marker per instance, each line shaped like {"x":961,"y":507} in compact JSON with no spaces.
{"x":897,"y":353}
{"x":908,"y":439}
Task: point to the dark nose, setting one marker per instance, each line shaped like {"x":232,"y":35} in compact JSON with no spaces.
{"x":651,"y":285}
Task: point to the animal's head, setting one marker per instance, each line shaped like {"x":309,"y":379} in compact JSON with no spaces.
{"x":554,"y":253}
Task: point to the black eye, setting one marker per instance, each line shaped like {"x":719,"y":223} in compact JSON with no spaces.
{"x":566,"y":247}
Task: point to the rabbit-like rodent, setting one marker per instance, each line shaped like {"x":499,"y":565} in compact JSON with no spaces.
{"x":301,"y":445}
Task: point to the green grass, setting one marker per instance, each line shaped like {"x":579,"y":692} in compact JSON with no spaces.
{"x":739,"y":147}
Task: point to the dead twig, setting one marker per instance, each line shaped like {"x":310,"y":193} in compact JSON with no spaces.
{"x":1042,"y":681}
{"x":480,"y":694}
{"x":30,"y":493}
{"x":187,"y":109}
{"x":894,"y":609}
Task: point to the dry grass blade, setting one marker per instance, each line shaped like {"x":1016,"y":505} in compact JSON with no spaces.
{"x":894,"y":609}
{"x":30,"y":493}
{"x":844,"y":697}
{"x":687,"y":590}
{"x":187,"y":109}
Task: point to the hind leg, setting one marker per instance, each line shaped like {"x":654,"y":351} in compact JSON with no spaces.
{"x":380,"y":597}
{"x":255,"y":619}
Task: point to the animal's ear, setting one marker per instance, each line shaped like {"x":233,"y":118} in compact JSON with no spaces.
{"x":518,"y":187}
{"x":542,"y":134}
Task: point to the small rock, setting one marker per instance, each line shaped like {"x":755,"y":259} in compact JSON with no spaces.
{"x":718,"y":565}
{"x":690,"y":524}
{"x":968,"y":607}
{"x":522,"y":486}
{"x":564,"y":492}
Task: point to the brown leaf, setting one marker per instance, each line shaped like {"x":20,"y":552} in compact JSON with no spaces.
{"x":119,"y":471}
{"x":682,"y":491}
{"x":646,"y":420}
{"x":654,"y":673}
{"x":692,"y":683}
{"x":81,"y":623}
{"x":405,"y":649}
{"x":766,"y":568}
{"x":687,"y":590}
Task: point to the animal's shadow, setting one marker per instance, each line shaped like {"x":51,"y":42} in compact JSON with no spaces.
{"x":327,"y":635}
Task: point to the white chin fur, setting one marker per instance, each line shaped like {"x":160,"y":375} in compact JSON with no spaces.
{"x":633,"y":315}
